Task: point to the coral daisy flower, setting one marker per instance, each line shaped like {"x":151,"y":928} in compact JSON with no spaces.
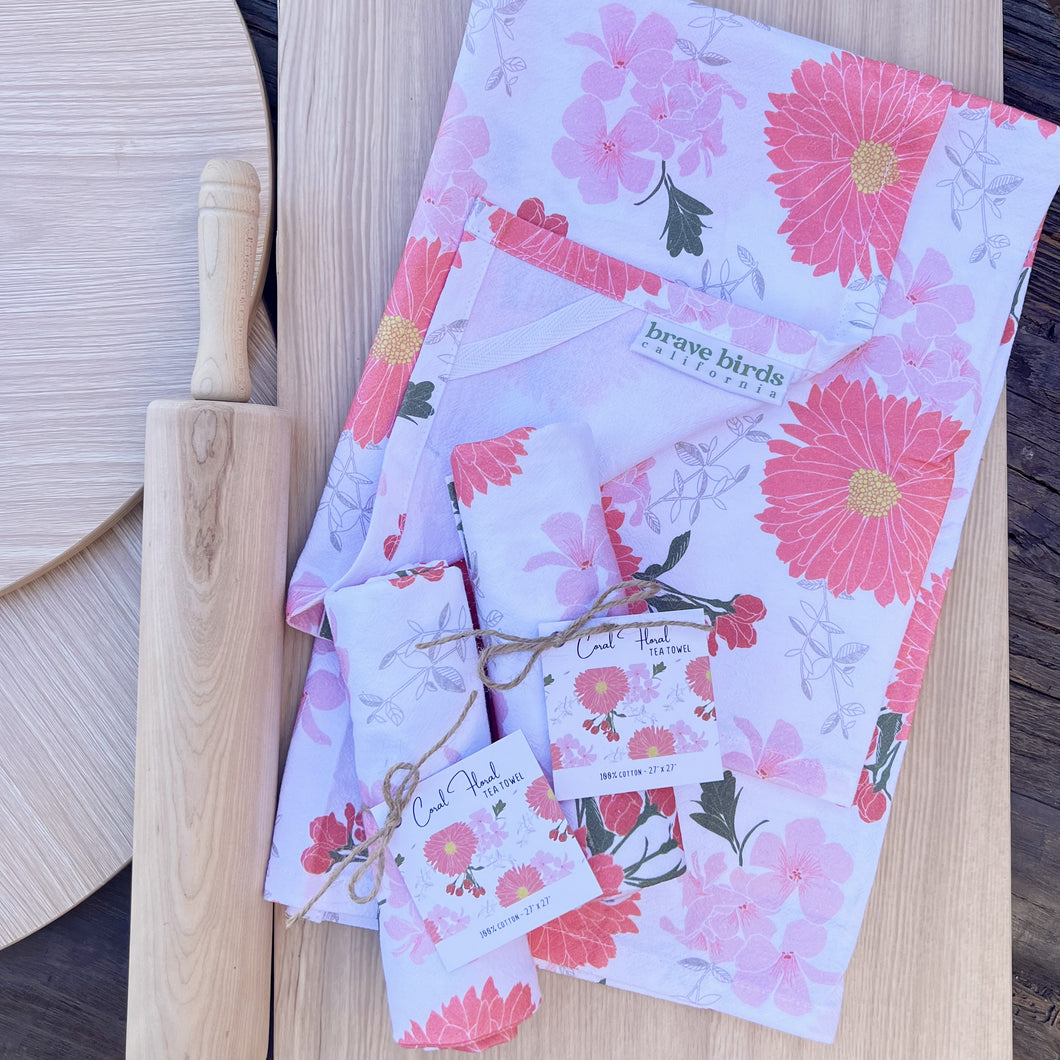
{"x":697,"y":675}
{"x":517,"y":884}
{"x":850,"y":143}
{"x":903,"y":691}
{"x":860,"y":502}
{"x":651,"y":742}
{"x":477,"y":465}
{"x":542,"y":800}
{"x":451,"y":849}
{"x":417,"y":287}
{"x":601,"y":689}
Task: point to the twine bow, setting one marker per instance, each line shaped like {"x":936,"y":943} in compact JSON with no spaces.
{"x":398,"y":798}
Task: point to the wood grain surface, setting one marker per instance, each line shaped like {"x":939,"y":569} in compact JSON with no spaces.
{"x":210,"y":672}
{"x":932,"y":970}
{"x":109,"y":112}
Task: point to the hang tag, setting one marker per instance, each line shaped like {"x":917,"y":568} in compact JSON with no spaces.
{"x":487,"y":853}
{"x":759,"y":377}
{"x":632,"y":709}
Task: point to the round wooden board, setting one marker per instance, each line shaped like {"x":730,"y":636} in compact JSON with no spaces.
{"x":110,"y":110}
{"x":68,"y":713}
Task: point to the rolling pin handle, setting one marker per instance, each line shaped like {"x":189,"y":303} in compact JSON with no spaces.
{"x":229,"y":194}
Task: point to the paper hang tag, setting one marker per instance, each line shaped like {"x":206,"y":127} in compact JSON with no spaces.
{"x":487,"y":853}
{"x":631,"y":710}
{"x":758,"y":377}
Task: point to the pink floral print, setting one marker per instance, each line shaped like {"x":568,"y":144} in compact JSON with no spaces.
{"x":860,"y":502}
{"x":779,"y":759}
{"x":478,"y":465}
{"x":937,"y":306}
{"x":600,"y":157}
{"x":764,"y":972}
{"x":653,"y":741}
{"x":849,"y":143}
{"x":708,"y":924}
{"x":803,"y":864}
{"x":569,"y":753}
{"x":626,"y":48}
{"x":584,"y":552}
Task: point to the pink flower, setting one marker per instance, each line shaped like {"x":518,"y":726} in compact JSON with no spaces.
{"x":684,"y":305}
{"x":849,"y":143}
{"x":568,"y":753}
{"x":631,"y":487}
{"x":625,"y":47}
{"x":488,"y":830}
{"x":621,"y":812}
{"x":478,"y":465}
{"x":759,"y":333}
{"x":602,"y":158}
{"x":542,"y":800}
{"x":805,"y":863}
{"x":473,"y":1022}
{"x":652,"y":741}
{"x":871,"y":804}
{"x":686,"y":739}
{"x":443,"y":923}
{"x":323,"y":691}
{"x":708,"y":907}
{"x":552,"y":867}
{"x":416,"y":938}
{"x":305,"y":607}
{"x":937,"y":370}
{"x":746,"y":917}
{"x":903,"y":691}
{"x":778,"y":760}
{"x":937,"y":305}
{"x":450,"y":850}
{"x":601,"y":688}
{"x":697,"y":676}
{"x":763,"y":971}
{"x":641,"y":684}
{"x":860,"y":502}
{"x":517,"y":884}
{"x":585,"y":550}
{"x":698,"y":122}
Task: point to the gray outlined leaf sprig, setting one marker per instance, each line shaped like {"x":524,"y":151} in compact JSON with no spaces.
{"x":497,"y":17}
{"x":823,"y":659}
{"x":978,"y":191}
{"x":708,"y":478}
{"x":349,"y":498}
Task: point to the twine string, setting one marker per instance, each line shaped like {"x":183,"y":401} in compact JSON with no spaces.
{"x":398,"y":798}
{"x":582,"y":626}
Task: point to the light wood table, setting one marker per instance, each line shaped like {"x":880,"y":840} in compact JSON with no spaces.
{"x":362,"y":88}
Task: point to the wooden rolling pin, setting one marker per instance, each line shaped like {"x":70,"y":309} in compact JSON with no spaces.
{"x":211,"y":631}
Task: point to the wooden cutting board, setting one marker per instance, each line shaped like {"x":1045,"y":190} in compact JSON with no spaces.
{"x":931,"y":975}
{"x":69,"y":636}
{"x":108,"y":111}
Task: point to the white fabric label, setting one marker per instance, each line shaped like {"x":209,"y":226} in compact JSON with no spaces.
{"x":760,"y":377}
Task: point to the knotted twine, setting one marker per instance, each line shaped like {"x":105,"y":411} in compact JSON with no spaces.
{"x":371,"y":853}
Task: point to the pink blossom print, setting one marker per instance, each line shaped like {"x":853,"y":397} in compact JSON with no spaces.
{"x":479,"y":465}
{"x":643,"y":687}
{"x":936,"y":305}
{"x":324,"y":691}
{"x":542,"y":800}
{"x":803,"y":864}
{"x":685,"y":305}
{"x":849,"y":143}
{"x":759,"y":333}
{"x":938,"y":370}
{"x":443,"y":923}
{"x":451,"y":180}
{"x":688,"y":740}
{"x":631,"y":487}
{"x":552,"y":867}
{"x":778,"y":759}
{"x":652,"y":741}
{"x":860,"y":502}
{"x":601,"y":158}
{"x":763,"y":971}
{"x":569,"y":753}
{"x":584,"y":554}
{"x":450,"y":850}
{"x":626,"y":48}
{"x":708,"y":923}
{"x":517,"y":884}
{"x":488,"y":830}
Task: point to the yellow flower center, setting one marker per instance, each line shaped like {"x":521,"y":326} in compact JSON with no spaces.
{"x":397,"y":341}
{"x":601,"y":687}
{"x":450,"y":847}
{"x":551,"y":795}
{"x":653,"y":751}
{"x":872,"y":493}
{"x":873,"y":166}
{"x":523,"y":892}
